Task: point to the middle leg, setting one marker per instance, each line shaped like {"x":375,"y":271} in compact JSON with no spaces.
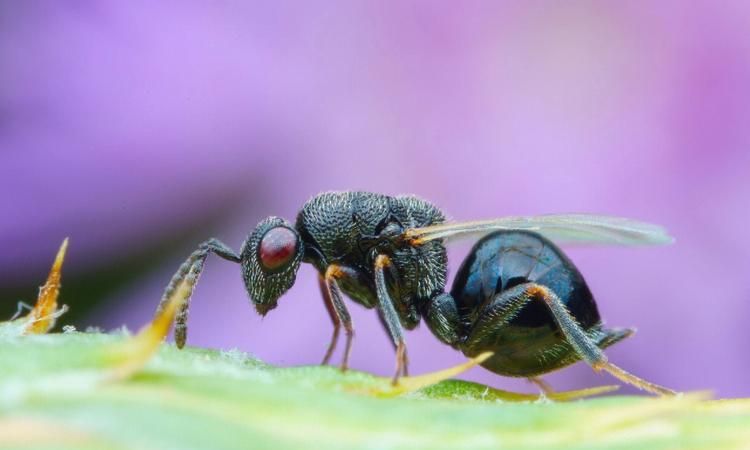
{"x":390,"y":316}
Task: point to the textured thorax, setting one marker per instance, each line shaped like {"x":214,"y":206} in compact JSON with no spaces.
{"x":343,"y":227}
{"x":334,"y":222}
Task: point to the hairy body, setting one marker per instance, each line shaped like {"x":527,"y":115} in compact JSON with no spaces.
{"x":350,"y":229}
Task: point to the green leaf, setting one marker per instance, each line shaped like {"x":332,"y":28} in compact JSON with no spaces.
{"x":55,"y":392}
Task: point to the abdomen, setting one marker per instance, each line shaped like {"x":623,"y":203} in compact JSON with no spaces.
{"x":529,"y":342}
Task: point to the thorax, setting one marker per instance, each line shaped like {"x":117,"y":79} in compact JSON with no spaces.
{"x":348,"y":228}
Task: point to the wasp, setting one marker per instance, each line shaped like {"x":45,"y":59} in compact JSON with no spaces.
{"x":516,"y":294}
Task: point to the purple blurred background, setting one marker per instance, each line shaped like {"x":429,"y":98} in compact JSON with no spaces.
{"x":127,"y":125}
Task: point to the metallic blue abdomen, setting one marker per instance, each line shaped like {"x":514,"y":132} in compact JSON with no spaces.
{"x":530,"y":341}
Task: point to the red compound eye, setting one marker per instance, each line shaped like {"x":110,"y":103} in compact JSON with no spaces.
{"x":277,"y":247}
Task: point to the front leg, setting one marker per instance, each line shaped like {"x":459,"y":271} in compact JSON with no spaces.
{"x":323,"y":285}
{"x":190,"y":271}
{"x":390,"y":316}
{"x":337,"y":310}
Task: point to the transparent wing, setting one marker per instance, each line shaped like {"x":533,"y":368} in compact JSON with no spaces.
{"x":560,"y":228}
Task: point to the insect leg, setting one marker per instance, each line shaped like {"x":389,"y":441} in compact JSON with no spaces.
{"x":190,"y":271}
{"x":542,"y":385}
{"x":338,"y":312}
{"x":390,"y":317}
{"x":582,"y":343}
{"x":334,"y":318}
{"x":441,"y":315}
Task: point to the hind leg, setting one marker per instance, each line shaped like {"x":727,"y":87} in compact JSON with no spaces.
{"x":509,"y":302}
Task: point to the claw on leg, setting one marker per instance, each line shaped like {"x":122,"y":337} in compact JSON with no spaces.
{"x":402,"y":362}
{"x":331,"y":345}
{"x":629,"y":378}
{"x":347,"y":349}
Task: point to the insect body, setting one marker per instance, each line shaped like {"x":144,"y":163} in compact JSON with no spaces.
{"x":516,"y":293}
